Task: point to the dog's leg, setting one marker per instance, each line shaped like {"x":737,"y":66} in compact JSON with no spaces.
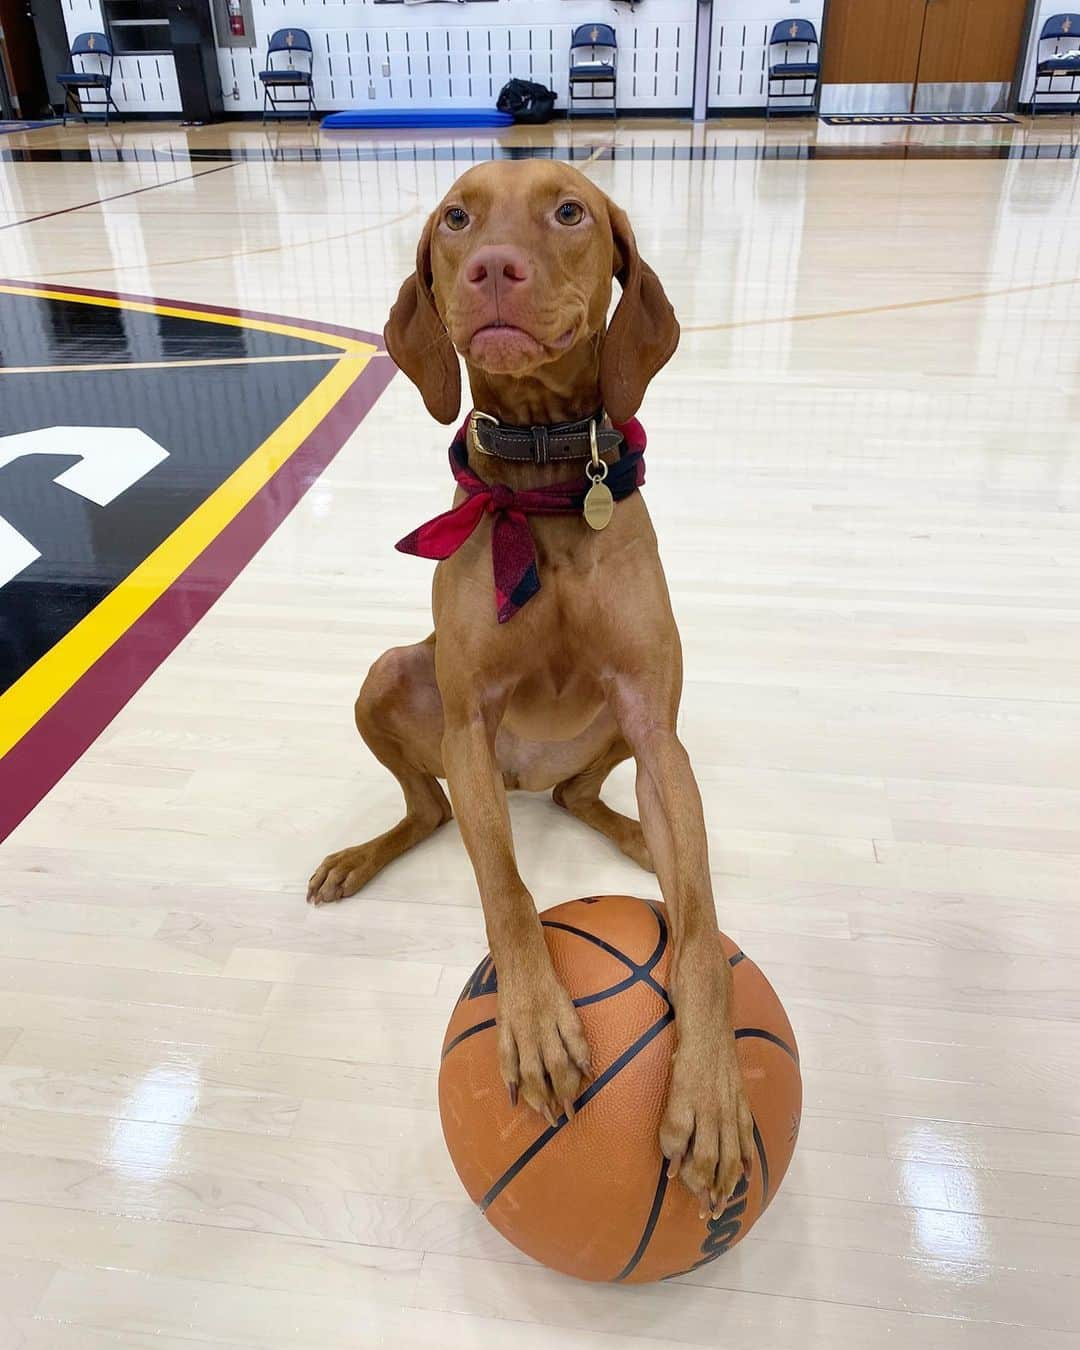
{"x":542,"y":1046}
{"x":580,"y":796}
{"x":707,"y":1130}
{"x":399,"y":715}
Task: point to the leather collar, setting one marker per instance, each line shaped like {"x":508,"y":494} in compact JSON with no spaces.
{"x":542,"y":444}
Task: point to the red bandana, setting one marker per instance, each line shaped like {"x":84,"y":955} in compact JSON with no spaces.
{"x":513,"y":553}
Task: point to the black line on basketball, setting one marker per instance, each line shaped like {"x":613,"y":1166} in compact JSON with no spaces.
{"x":484,"y":979}
{"x":469,"y":1031}
{"x":642,"y":972}
{"x":761,"y":1034}
{"x":760,"y":1145}
{"x":650,"y":1222}
{"x":591,"y":937}
{"x":609,"y":992}
{"x":734,"y":960}
{"x":597,"y":1085}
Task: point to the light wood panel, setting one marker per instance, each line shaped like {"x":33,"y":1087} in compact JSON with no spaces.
{"x":217,"y":1118}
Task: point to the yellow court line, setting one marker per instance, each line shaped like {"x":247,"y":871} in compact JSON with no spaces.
{"x":179,"y":312}
{"x":64,"y":663}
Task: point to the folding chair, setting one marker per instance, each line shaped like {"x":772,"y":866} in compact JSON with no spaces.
{"x":1063,"y":30}
{"x":783,"y":70}
{"x":88,"y":46}
{"x":594,"y":70}
{"x":292,"y":77}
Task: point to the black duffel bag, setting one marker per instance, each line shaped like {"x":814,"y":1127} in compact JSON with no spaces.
{"x":527,"y":101}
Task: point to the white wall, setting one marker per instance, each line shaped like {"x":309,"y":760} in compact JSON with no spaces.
{"x":438,"y":54}
{"x":740,"y":38}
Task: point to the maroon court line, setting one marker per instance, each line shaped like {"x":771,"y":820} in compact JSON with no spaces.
{"x":132,"y":192}
{"x":66,"y":730}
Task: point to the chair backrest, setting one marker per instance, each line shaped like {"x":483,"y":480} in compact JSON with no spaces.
{"x":289,"y":40}
{"x":92,"y":44}
{"x":1061,"y":25}
{"x":593,"y":35}
{"x":793,"y":30}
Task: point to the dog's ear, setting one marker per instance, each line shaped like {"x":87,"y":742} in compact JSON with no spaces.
{"x":418,"y":342}
{"x":643,"y":332}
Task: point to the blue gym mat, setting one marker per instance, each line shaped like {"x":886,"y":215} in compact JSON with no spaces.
{"x":422,"y":118}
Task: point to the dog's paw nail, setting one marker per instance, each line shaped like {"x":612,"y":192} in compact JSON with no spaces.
{"x":512,"y":1092}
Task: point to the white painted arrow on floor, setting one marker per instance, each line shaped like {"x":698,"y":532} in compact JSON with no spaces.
{"x":111,"y":460}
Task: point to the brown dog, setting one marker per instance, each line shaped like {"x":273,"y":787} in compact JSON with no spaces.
{"x":514,"y":271}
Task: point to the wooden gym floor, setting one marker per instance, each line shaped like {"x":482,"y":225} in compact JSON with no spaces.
{"x":217,"y":1120}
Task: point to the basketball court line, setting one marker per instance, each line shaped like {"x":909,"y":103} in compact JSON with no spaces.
{"x":98,"y":201}
{"x":107,"y":366}
{"x":55,"y":710}
{"x":413,"y":152}
{"x":965,"y":298}
{"x":115,"y":268}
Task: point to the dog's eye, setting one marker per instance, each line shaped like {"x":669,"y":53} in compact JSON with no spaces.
{"x":456,"y":218}
{"x":570,"y":213}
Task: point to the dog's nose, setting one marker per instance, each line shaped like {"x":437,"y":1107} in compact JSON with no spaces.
{"x":501,"y":262}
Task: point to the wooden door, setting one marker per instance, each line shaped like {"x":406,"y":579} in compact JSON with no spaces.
{"x":24,"y":58}
{"x":971,"y":41}
{"x":872,"y":41}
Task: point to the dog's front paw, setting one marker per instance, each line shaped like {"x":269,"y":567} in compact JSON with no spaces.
{"x":342,"y":874}
{"x":543,"y":1052}
{"x":708,"y":1131}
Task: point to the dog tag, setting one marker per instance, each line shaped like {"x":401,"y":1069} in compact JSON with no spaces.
{"x":599,"y":505}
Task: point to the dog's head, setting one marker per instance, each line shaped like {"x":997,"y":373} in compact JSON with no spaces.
{"x":514,"y":271}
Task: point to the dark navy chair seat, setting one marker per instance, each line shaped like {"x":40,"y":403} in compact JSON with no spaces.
{"x":587,"y":70}
{"x":295,"y":42}
{"x":285,"y":76}
{"x":1066,"y":63}
{"x":88,"y":47}
{"x":82,"y":79}
{"x":596,"y":67}
{"x":795,"y":69}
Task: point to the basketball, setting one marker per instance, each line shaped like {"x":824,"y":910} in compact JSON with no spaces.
{"x":590,"y":1197}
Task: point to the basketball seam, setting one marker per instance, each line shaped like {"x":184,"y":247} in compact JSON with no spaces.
{"x":759,"y":1033}
{"x":650,"y":1223}
{"x":469,"y":1031}
{"x":759,"y":1144}
{"x":641,"y":972}
{"x":637,"y":973}
{"x":595,"y":1087}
